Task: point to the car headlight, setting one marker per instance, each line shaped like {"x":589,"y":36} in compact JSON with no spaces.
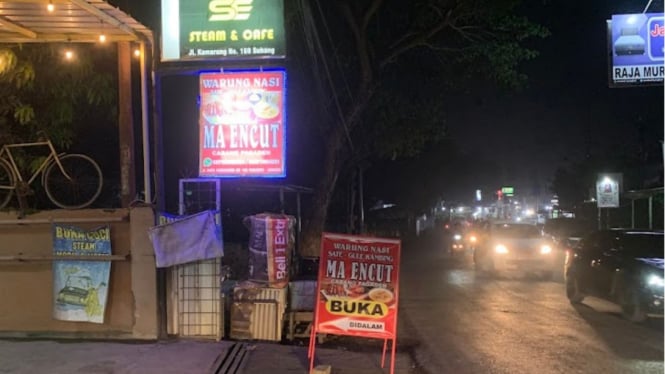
{"x":457,"y":237}
{"x":655,"y":281}
{"x":500,"y":249}
{"x":545,"y":249}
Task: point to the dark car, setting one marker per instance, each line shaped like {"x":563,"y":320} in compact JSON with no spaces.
{"x":622,"y":266}
{"x":566,"y":232}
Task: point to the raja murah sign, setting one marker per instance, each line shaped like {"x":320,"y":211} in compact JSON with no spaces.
{"x":222,"y":29}
{"x":636,"y":49}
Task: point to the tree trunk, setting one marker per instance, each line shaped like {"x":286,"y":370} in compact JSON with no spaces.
{"x":311,"y":236}
{"x":336,"y":153}
{"x":351,"y":224}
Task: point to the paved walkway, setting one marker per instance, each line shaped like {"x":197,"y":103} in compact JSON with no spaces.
{"x":289,"y":359}
{"x":181,"y":357}
{"x":69,"y":357}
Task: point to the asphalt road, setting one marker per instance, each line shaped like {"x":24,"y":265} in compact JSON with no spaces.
{"x":455,"y":322}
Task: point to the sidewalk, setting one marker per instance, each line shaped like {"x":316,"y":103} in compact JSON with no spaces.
{"x":106,"y":357}
{"x":289,"y":359}
{"x":184,"y":357}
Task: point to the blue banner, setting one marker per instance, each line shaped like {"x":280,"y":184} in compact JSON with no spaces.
{"x":80,"y":288}
{"x":636,"y":44}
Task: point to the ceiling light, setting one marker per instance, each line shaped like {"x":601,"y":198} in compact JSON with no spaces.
{"x":50,"y":7}
{"x":102,"y":35}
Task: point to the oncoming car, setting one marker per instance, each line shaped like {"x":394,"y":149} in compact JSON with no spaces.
{"x":518,"y":247}
{"x":623,"y":266}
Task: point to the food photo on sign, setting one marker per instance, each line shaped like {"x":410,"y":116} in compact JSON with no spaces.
{"x":358,"y":291}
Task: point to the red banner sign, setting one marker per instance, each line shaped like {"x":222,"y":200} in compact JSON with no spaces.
{"x":242,"y":124}
{"x":358,"y":286}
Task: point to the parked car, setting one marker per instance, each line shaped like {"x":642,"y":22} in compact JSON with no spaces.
{"x":517,"y":247}
{"x":623,"y":266}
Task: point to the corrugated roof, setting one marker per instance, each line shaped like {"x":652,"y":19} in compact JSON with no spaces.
{"x":643,"y":194}
{"x":30,"y":21}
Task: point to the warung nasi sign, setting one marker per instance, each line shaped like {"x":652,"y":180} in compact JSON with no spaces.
{"x":357,"y":290}
{"x":242,"y":124}
{"x":358,"y":286}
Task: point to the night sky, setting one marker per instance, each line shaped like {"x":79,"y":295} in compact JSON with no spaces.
{"x":566,"y":111}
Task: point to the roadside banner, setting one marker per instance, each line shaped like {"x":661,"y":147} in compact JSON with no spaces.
{"x":607,"y":190}
{"x":636,"y":49}
{"x":358,"y":289}
{"x":80,"y":288}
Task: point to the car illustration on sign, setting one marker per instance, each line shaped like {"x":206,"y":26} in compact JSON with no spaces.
{"x":76,"y":290}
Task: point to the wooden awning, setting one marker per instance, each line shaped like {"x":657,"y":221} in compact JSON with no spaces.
{"x":81,"y":21}
{"x":76,"y":21}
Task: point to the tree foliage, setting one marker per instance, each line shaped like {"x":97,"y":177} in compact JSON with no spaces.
{"x":378,"y":41}
{"x":42,"y":91}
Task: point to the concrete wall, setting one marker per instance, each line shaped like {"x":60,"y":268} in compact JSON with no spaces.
{"x":26,"y":287}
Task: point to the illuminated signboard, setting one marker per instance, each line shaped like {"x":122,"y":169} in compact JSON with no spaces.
{"x":242,"y":124}
{"x":636,"y":49}
{"x":508,"y":191}
{"x":608,"y":187}
{"x":222,"y":29}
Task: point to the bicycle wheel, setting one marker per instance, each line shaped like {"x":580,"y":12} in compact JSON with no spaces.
{"x":81,"y":188}
{"x":7,"y":183}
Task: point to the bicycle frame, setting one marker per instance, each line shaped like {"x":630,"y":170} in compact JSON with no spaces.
{"x":6,"y":153}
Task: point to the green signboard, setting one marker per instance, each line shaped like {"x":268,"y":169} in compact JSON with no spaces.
{"x":507,"y":191}
{"x":222,"y":29}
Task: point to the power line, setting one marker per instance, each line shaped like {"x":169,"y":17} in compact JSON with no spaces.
{"x":330,"y":40}
{"x":312,"y":27}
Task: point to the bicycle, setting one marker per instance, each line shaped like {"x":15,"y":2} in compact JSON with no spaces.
{"x":71,"y":181}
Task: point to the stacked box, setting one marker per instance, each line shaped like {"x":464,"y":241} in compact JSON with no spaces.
{"x":257,"y":312}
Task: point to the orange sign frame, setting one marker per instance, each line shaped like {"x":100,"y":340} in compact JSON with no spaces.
{"x":357,"y":289}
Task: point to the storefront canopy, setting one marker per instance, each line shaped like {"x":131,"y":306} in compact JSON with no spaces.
{"x":80,"y":21}
{"x":41,"y":21}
